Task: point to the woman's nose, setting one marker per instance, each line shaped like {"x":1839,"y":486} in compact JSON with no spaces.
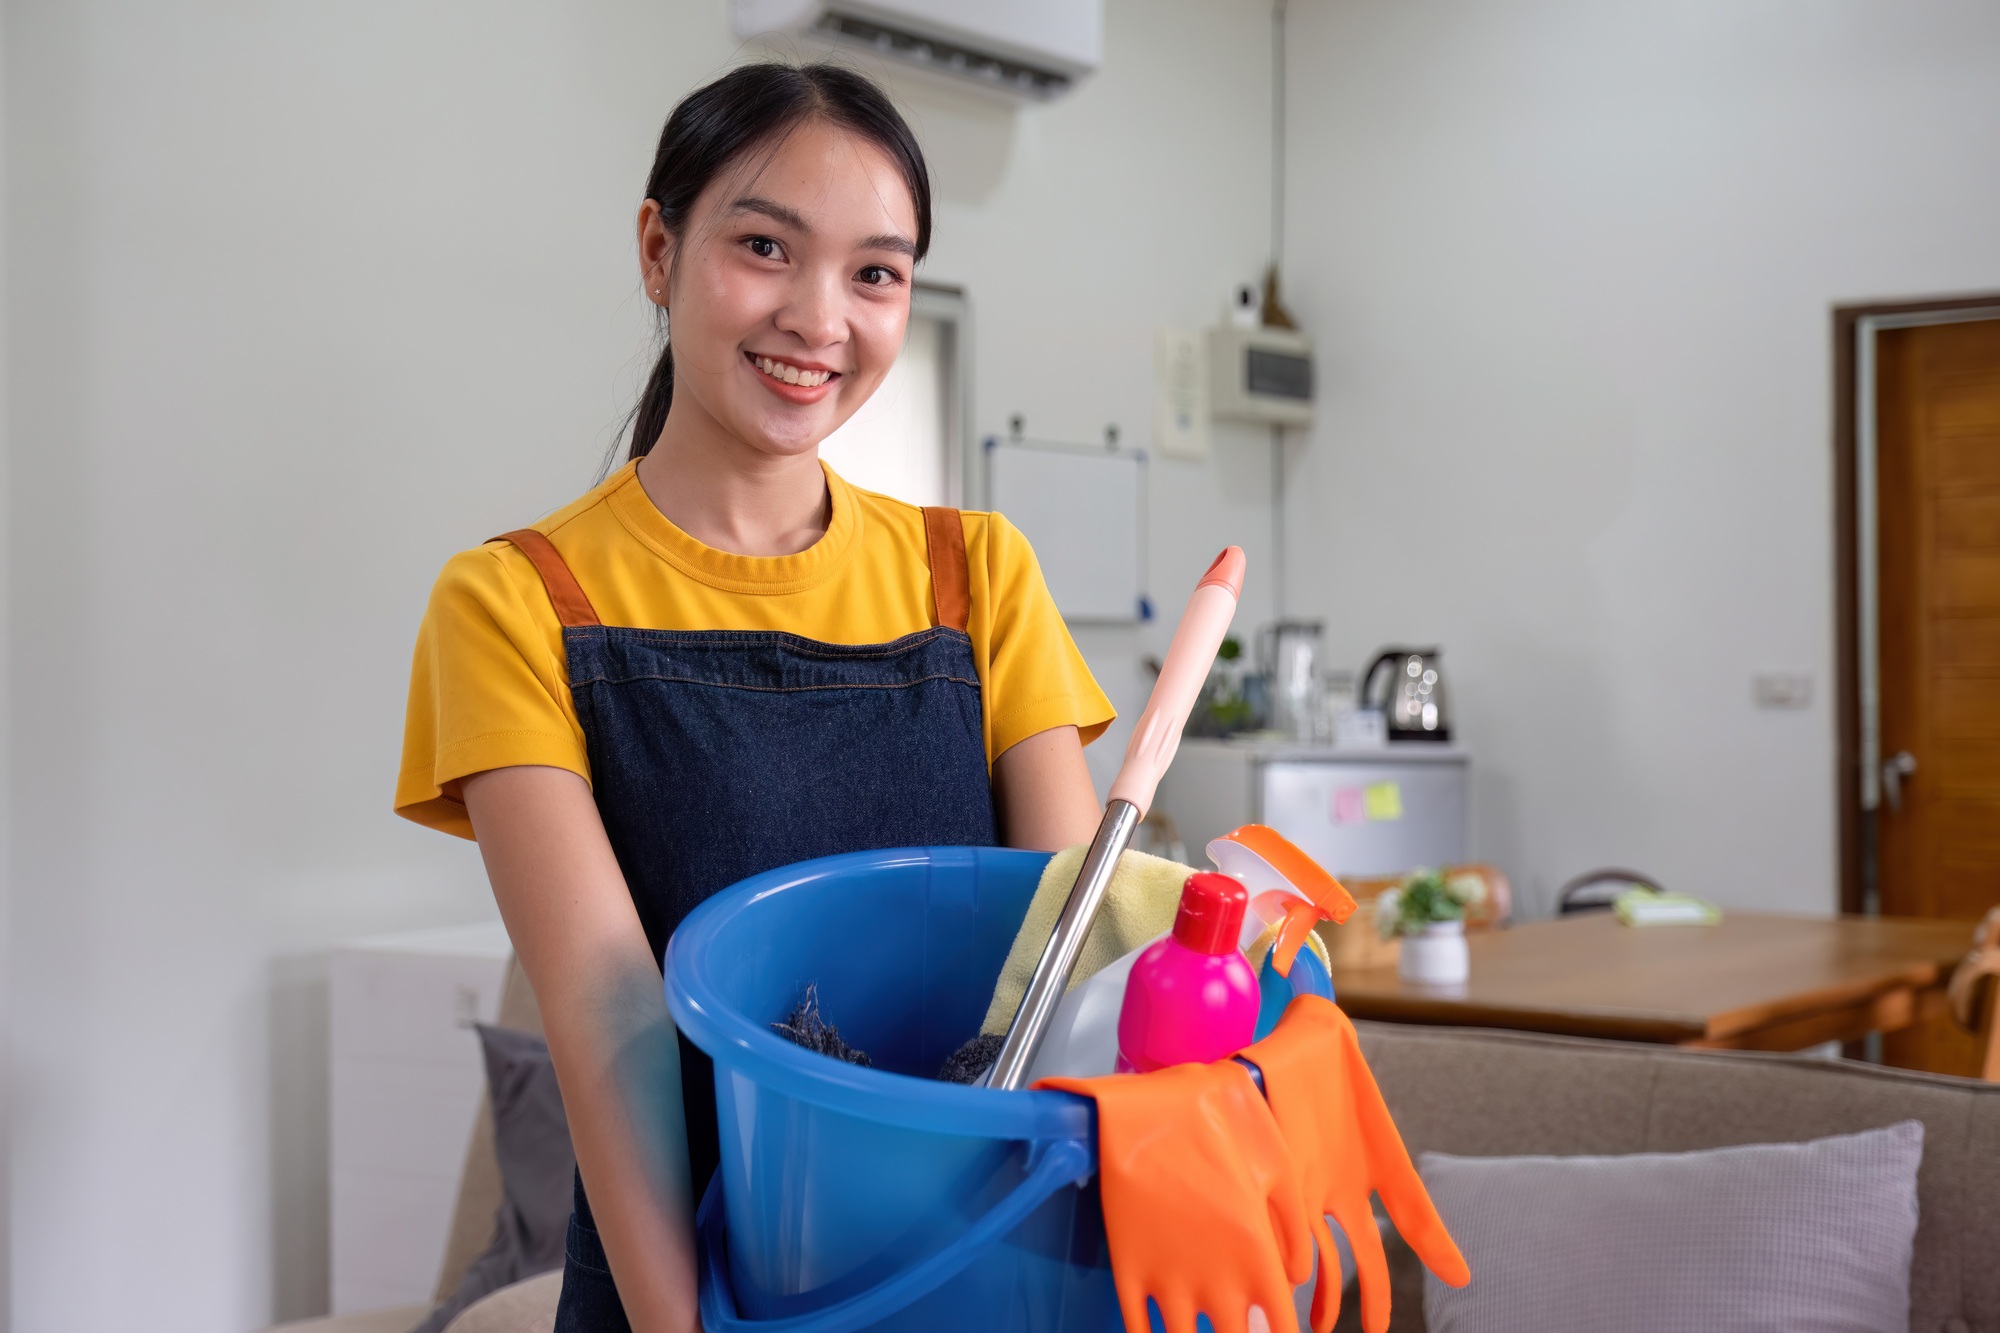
{"x":817,"y":312}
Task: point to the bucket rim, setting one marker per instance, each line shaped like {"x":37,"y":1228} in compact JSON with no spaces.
{"x":747,"y":1048}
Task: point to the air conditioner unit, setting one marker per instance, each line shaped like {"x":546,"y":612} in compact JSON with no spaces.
{"x":1261,"y":374}
{"x":1029,"y":49}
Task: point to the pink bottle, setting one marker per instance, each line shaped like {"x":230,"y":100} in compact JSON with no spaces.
{"x":1192,"y":997}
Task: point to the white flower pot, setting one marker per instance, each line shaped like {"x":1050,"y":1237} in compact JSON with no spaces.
{"x":1436,"y":955}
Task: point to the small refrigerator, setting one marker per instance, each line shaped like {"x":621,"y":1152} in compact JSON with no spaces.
{"x":1359,"y":813}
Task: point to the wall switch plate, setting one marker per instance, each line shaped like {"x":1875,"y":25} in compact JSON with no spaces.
{"x":1782,"y":689}
{"x":1180,"y":411}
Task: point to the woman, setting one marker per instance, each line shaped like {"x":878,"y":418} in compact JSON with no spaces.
{"x":724,"y":658}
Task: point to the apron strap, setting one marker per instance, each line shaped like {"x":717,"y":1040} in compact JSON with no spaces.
{"x":573,"y":609}
{"x":951,"y":577}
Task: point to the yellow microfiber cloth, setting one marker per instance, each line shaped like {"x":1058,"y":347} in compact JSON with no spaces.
{"x":1139,"y":906}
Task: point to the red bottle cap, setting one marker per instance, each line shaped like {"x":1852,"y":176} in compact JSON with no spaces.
{"x":1211,"y":915}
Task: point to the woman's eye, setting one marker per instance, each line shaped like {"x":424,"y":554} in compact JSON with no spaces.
{"x":763,"y":247}
{"x":879,"y":275}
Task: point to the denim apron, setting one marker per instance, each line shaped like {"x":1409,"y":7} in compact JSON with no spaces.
{"x":718,"y":754}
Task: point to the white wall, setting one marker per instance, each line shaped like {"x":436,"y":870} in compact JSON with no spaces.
{"x":1570,"y":265}
{"x":303,"y":299}
{"x":6,"y":715}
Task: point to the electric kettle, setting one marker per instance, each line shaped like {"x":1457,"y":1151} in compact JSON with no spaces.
{"x":1405,"y":685}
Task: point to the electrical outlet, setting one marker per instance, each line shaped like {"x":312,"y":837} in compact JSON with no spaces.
{"x":1782,"y":689}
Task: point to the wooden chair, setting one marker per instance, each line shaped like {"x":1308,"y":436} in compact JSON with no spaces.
{"x":1498,"y":907}
{"x":1974,"y":993}
{"x":1598,"y":890}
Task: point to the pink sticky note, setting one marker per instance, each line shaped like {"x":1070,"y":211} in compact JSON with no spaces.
{"x":1350,"y":805}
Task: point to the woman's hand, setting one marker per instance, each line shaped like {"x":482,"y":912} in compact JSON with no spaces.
{"x":571,"y":918}
{"x":1042,"y":793}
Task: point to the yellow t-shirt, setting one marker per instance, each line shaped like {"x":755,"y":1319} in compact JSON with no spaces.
{"x":490,"y":688}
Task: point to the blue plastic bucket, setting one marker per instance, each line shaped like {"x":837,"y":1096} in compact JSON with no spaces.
{"x":853,"y":1198}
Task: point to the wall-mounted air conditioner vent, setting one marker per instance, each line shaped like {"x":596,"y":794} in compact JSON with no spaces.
{"x":943,"y":57}
{"x":1030,"y":49}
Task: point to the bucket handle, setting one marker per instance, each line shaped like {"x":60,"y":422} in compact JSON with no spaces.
{"x":1064,"y":1162}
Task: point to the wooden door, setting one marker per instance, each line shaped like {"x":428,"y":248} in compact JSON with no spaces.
{"x":1938,"y":516}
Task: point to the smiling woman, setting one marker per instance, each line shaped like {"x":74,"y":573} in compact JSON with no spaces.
{"x":725,"y":659}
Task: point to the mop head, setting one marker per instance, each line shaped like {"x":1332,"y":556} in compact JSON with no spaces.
{"x":969,"y":1063}
{"x":806,"y":1026}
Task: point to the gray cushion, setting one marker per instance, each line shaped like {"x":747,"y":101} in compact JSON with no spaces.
{"x":1796,"y":1236}
{"x":393,"y":1320}
{"x":525,"y":1307}
{"x":531,"y":1141}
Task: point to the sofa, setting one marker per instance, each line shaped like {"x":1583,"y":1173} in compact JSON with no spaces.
{"x":1487,"y":1093}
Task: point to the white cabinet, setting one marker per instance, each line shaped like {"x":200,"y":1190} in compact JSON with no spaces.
{"x":405,"y":1082}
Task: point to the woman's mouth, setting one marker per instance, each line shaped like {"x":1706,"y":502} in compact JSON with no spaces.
{"x":784,"y":372}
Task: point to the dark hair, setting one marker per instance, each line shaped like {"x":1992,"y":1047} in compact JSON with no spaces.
{"x":750,"y":106}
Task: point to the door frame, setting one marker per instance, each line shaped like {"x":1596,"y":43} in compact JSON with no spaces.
{"x":1857,"y":724}
{"x":949,"y":305}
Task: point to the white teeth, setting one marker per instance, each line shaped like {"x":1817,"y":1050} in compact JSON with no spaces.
{"x":778,"y":370}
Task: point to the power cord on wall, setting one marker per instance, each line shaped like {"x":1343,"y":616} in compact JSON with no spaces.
{"x":1277,"y":132}
{"x":1277,"y":255}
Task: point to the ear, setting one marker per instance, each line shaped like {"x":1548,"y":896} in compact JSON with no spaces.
{"x":656,"y":254}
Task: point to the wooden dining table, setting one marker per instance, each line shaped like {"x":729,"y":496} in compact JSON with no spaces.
{"x":1749,"y":982}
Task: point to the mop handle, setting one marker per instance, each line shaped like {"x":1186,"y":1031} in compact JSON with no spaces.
{"x":1197,"y":639}
{"x":1155,"y":738}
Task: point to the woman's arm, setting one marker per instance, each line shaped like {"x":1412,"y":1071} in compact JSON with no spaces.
{"x":1043,"y":794}
{"x":574,"y":927}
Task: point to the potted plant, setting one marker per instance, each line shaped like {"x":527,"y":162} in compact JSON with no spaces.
{"x":1428,"y":911}
{"x":1223,"y":709}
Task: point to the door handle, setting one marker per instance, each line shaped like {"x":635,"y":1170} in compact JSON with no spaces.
{"x":1894,"y":769}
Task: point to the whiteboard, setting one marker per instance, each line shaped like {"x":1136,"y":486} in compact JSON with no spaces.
{"x":1083,"y":511}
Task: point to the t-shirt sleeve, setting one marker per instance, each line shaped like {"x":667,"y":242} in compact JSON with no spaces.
{"x":487,"y":688}
{"x":1036,"y":677}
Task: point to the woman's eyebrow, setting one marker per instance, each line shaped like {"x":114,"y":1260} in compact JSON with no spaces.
{"x":790,"y":217}
{"x":889,"y":240}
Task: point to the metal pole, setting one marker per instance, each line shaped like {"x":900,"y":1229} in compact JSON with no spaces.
{"x":1051,"y":977}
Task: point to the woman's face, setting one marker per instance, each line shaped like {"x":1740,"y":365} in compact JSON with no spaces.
{"x":791,"y":290}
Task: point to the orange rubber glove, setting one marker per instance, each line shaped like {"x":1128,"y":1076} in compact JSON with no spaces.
{"x":1345,"y":1145}
{"x":1201,"y":1201}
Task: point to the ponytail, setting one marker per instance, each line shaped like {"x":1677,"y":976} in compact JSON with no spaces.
{"x":718,"y":123}
{"x":649,"y":418}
